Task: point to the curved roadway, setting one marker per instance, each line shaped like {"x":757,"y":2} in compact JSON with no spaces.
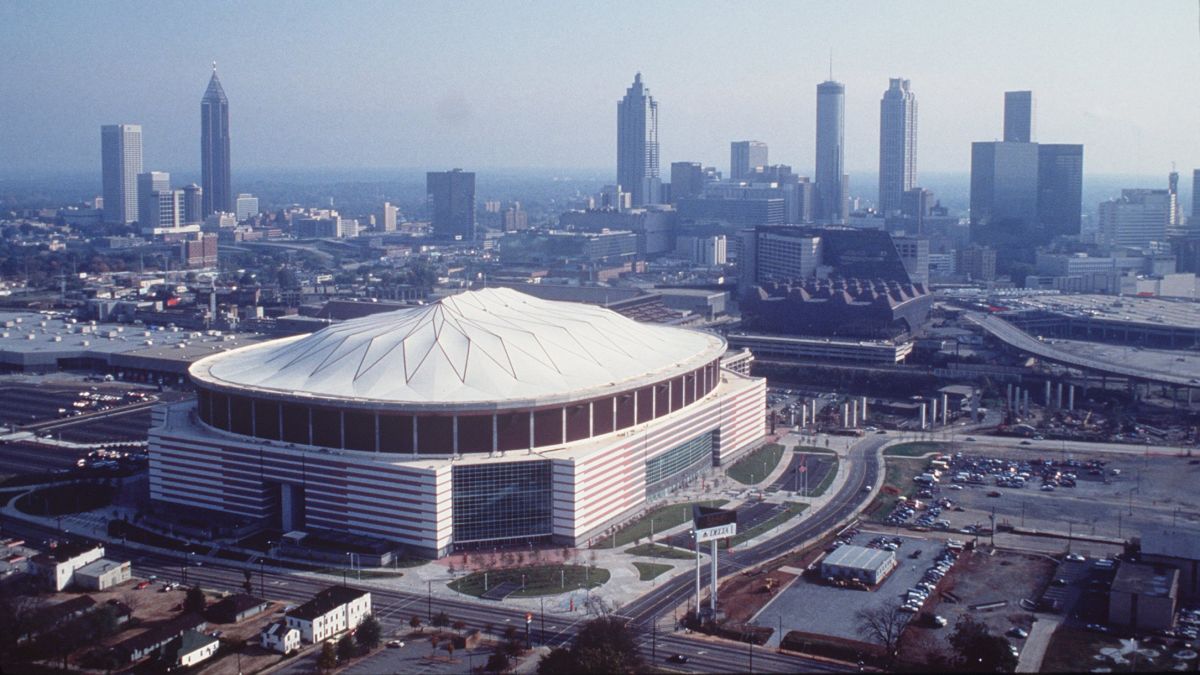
{"x":1019,"y":339}
{"x":864,"y":471}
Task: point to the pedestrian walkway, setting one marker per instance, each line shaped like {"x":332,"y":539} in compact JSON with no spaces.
{"x":1036,"y":644}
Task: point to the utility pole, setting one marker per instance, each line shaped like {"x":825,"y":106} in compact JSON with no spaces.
{"x":429,"y":596}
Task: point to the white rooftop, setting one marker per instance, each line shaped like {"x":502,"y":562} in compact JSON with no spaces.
{"x":495,"y":347}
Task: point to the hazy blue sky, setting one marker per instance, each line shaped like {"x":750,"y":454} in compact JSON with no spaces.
{"x":506,"y":84}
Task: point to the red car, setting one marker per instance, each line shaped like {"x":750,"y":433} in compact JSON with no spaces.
{"x":141,"y":585}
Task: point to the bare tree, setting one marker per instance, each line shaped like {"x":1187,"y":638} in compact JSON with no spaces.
{"x":883,"y":625}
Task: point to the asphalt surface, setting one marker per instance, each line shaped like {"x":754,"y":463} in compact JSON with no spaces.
{"x":1019,"y":339}
{"x":395,"y":608}
{"x":848,"y":500}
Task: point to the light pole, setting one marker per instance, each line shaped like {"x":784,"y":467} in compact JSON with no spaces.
{"x":344,"y":568}
{"x":429,"y":597}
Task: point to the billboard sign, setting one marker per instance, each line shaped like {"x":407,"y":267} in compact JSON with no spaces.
{"x":712,"y":523}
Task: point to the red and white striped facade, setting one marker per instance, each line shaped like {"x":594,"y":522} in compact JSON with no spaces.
{"x":597,"y":482}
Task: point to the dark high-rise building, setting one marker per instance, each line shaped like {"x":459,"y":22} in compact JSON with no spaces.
{"x":452,"y":202}
{"x":1195,"y":223}
{"x":831,"y":156}
{"x":121,"y":162}
{"x":637,"y":144}
{"x":745,"y":157}
{"x":1018,"y":116}
{"x":1023,"y":194}
{"x":1060,"y":188}
{"x":193,"y":204}
{"x":1004,"y":179}
{"x":687,"y":180}
{"x":897,"y":145}
{"x":214,"y":148}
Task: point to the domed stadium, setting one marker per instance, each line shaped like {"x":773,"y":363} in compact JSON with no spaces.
{"x":486,"y":418}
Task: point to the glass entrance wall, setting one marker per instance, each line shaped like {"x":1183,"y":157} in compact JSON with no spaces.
{"x":679,"y":463}
{"x":512,"y":501}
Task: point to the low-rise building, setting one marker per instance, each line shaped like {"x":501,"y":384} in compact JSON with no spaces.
{"x":150,"y":641}
{"x":1144,"y":596}
{"x":868,"y":565}
{"x":189,"y":648}
{"x":1179,"y":548}
{"x":103,"y":574}
{"x":57,"y":566}
{"x":280,"y":637}
{"x":332,"y":611}
{"x":236,"y":608}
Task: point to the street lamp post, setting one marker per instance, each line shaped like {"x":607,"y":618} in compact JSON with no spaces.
{"x":429,"y":597}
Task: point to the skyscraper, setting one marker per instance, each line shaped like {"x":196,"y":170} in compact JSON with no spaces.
{"x":1060,"y":188}
{"x":193,"y":204}
{"x":687,"y":180}
{"x":897,"y":145}
{"x":1004,"y":184}
{"x":1018,"y":116}
{"x":744,"y":157}
{"x":637,"y":143}
{"x":452,"y":201}
{"x":831,"y":194}
{"x":121,"y":162}
{"x":149,"y":183}
{"x":1023,"y":194}
{"x":1195,"y":223}
{"x":1176,"y":218}
{"x":214,"y":148}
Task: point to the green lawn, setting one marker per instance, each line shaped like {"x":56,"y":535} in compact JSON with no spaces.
{"x":917,"y":449}
{"x":898,"y":475}
{"x":793,"y":509}
{"x":664,"y":517}
{"x":757,"y":465}
{"x":648,"y":571}
{"x":660,"y":551}
{"x":813,"y":450}
{"x":539,"y":579}
{"x":351,"y":575}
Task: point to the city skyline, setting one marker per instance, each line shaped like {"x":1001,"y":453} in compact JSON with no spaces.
{"x":432,"y":113}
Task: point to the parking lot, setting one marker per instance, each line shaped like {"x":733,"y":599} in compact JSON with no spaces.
{"x":812,"y":606}
{"x":1112,"y":495}
{"x":988,"y":586}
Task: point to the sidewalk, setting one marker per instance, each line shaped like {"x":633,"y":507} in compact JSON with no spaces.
{"x":1036,"y":644}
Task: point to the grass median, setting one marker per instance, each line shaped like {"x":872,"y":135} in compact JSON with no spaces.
{"x":537,"y":580}
{"x":917,"y":449}
{"x":664,"y":517}
{"x":757,"y":465}
{"x":792,"y":510}
{"x":660,"y":551}
{"x":649,"y":571}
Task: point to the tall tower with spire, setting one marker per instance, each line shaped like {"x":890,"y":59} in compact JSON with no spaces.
{"x":637,"y":144}
{"x":831,"y":193}
{"x":217,"y":193}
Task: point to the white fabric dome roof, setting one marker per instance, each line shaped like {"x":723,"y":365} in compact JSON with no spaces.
{"x":491,"y":348}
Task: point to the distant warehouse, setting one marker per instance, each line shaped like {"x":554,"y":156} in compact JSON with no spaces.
{"x":868,"y":565}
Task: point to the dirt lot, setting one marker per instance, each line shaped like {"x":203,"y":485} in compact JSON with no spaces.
{"x":983,"y":576}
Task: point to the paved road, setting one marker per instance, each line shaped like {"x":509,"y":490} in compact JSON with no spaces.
{"x":394,"y":608}
{"x":1019,"y":339}
{"x":848,"y":500}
